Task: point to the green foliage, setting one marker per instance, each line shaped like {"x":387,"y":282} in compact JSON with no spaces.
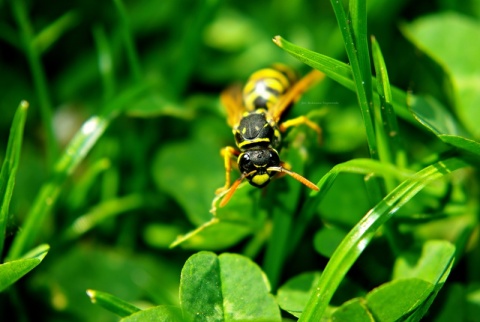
{"x":114,"y":171}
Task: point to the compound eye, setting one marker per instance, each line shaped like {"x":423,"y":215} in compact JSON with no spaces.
{"x":245,"y":164}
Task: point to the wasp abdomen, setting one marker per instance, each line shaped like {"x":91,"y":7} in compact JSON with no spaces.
{"x":265,"y":87}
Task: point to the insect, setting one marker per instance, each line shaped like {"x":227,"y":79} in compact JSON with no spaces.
{"x":254,"y":113}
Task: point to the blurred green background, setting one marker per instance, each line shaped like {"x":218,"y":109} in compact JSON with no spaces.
{"x":153,"y":173}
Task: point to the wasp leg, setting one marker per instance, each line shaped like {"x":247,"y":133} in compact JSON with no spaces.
{"x":227,"y":153}
{"x":302,"y":120}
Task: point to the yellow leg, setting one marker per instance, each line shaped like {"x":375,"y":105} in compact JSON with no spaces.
{"x":227,"y":153}
{"x":302,"y":120}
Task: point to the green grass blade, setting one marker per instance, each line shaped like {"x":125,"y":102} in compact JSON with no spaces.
{"x":361,"y":75}
{"x":10,"y":166}
{"x":358,"y":23}
{"x":190,"y":44}
{"x":358,"y":238}
{"x":359,"y":166}
{"x":104,"y":210}
{"x":74,"y":153}
{"x":39,"y":77}
{"x":341,"y":73}
{"x":105,"y":62}
{"x":51,"y":33}
{"x":112,"y":303}
{"x":396,"y":153}
{"x":10,"y":272}
{"x":132,"y":55}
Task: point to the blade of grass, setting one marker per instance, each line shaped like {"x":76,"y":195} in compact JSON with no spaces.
{"x":10,"y":166}
{"x":12,"y":271}
{"x":74,"y":153}
{"x":364,"y":167}
{"x":396,"y":152}
{"x":191,"y":42}
{"x":46,"y":37}
{"x":112,"y":303}
{"x":361,"y":76}
{"x":103,"y":211}
{"x":359,"y":237}
{"x":342,"y":73}
{"x":105,"y":62}
{"x":38,"y":74}
{"x":132,"y":55}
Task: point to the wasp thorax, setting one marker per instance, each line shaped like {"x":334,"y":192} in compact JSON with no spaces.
{"x":255,"y":163}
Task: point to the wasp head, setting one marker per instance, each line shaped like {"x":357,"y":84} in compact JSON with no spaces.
{"x":255,"y":164}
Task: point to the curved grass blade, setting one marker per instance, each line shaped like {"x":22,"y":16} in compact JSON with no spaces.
{"x":359,"y":237}
{"x":359,"y":166}
{"x":112,"y":303}
{"x":10,"y":272}
{"x":74,"y":153}
{"x":341,"y":73}
{"x":10,"y":166}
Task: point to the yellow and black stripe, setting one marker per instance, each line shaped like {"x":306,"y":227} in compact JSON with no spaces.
{"x":265,"y":87}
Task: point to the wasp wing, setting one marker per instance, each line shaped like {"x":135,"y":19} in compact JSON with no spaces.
{"x":232,"y":100}
{"x":295,"y":93}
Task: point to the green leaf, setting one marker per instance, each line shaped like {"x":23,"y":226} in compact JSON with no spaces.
{"x":327,"y":239}
{"x":359,"y":237}
{"x":353,"y":310}
{"x":432,"y":264}
{"x":294,"y":294}
{"x":112,"y":303}
{"x":398,"y":299}
{"x":440,"y":36}
{"x":228,"y":287}
{"x":10,"y":272}
{"x":162,"y":313}
{"x":10,"y":166}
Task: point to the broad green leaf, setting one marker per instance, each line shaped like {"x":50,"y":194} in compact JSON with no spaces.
{"x":398,"y":299}
{"x":228,"y":287}
{"x":353,"y":310}
{"x":10,"y":166}
{"x":441,"y":36}
{"x":11,"y":271}
{"x":112,"y":303}
{"x":162,"y":313}
{"x":360,"y":236}
{"x":294,"y":294}
{"x":190,"y":172}
{"x":327,"y":239}
{"x":432,"y":264}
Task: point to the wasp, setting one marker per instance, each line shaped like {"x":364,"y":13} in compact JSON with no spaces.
{"x":254,"y":112}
